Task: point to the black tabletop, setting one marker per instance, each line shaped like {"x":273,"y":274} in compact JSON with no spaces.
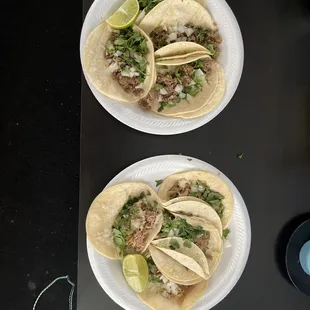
{"x":267,"y":120}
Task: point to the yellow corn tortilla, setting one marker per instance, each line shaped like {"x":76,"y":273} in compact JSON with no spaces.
{"x":181,"y":60}
{"x":172,"y":269}
{"x":104,"y":210}
{"x":215,"y":246}
{"x":213,"y":181}
{"x":180,"y":50}
{"x":173,"y":12}
{"x":95,"y":65}
{"x":152,"y":297}
{"x":191,"y":257}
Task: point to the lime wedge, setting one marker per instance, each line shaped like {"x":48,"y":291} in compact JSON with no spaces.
{"x":136,"y":271}
{"x":125,"y":16}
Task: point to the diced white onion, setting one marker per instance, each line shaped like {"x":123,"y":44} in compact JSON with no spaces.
{"x":113,"y":67}
{"x":189,"y":31}
{"x":163,"y":91}
{"x":227,"y":243}
{"x":201,"y":189}
{"x":192,"y":83}
{"x":164,"y":279}
{"x":199,"y":72}
{"x":178,"y":88}
{"x":136,"y":74}
{"x":139,"y":86}
{"x":189,"y":97}
{"x":178,"y":40}
{"x":125,"y":73}
{"x":194,"y":189}
{"x":118,"y":53}
{"x":181,"y":28}
{"x":182,"y":95}
{"x":172,"y":36}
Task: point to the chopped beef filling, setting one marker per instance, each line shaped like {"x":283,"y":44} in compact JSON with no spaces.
{"x":180,"y":189}
{"x":202,"y":242}
{"x":208,"y":38}
{"x":159,"y":37}
{"x":128,"y":83}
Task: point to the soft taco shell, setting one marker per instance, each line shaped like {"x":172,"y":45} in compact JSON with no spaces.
{"x":213,"y":181}
{"x":184,"y":255}
{"x":104,"y":210}
{"x":173,"y":12}
{"x":172,"y":269}
{"x":181,"y":60}
{"x":203,"y":98}
{"x":198,"y":209}
{"x":152,"y":297}
{"x":95,"y":65}
{"x":215,"y":245}
{"x":180,"y":50}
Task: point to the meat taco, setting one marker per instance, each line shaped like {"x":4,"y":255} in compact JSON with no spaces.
{"x":161,"y":293}
{"x":203,"y":185}
{"x":124,"y":219}
{"x":195,"y":207}
{"x":119,"y":63}
{"x":192,"y":237}
{"x":188,"y":90}
{"x":182,"y":21}
{"x":147,"y":5}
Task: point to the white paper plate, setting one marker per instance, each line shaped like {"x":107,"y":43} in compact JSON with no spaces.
{"x":109,"y":272}
{"x":231,"y":59}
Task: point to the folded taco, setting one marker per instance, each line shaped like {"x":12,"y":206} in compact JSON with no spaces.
{"x":161,"y":293}
{"x":119,"y":63}
{"x":184,"y":90}
{"x":182,"y":21}
{"x":124,"y":219}
{"x":195,"y":207}
{"x":203,"y":185}
{"x":192,"y":237}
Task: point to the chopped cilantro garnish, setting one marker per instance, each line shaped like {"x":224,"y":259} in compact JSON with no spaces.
{"x":240,"y":155}
{"x":133,"y":48}
{"x":158,"y":182}
{"x":174,"y":244}
{"x":187,"y":244}
{"x":226,"y":232}
{"x":180,"y":228}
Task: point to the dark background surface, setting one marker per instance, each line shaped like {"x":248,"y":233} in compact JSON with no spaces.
{"x":39,"y":150}
{"x":268,"y":119}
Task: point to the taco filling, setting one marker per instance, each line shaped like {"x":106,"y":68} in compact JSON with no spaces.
{"x":134,"y":223}
{"x":148,"y":5}
{"x":167,"y":289}
{"x":126,"y":52}
{"x":179,"y":227}
{"x":177,"y":83}
{"x":200,"y":190}
{"x":208,"y":38}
